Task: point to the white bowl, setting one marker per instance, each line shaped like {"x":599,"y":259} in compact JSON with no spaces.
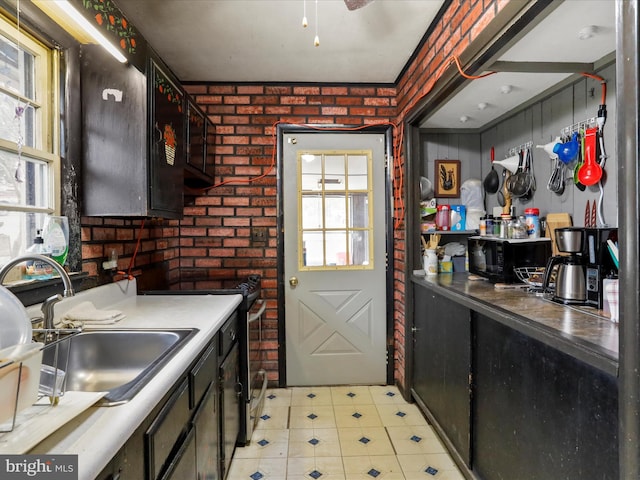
{"x":15,"y":323}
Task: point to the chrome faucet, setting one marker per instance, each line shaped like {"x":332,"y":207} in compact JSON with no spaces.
{"x":47,"y":305}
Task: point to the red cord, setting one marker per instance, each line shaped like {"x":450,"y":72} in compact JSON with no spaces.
{"x":602,"y":82}
{"x":135,"y":253}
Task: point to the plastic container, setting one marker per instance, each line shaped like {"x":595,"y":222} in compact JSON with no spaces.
{"x":532,"y":219}
{"x":483,"y":226}
{"x":35,"y":269}
{"x":443,"y":218}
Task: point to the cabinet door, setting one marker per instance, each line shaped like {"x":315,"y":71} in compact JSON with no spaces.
{"x":230,"y":406}
{"x":539,"y":413}
{"x":165,"y":431}
{"x":114,"y":135}
{"x":207,"y":440}
{"x":167,"y":142}
{"x":197,"y":138}
{"x":183,"y":466}
{"x":442,"y":365}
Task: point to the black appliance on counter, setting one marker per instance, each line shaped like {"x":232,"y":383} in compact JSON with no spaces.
{"x":495,"y":258}
{"x":252,"y":379}
{"x":598,"y":261}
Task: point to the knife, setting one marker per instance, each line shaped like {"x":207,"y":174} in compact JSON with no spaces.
{"x":593,"y":215}
{"x":587,"y":215}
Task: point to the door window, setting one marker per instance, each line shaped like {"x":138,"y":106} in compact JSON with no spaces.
{"x":335,"y":205}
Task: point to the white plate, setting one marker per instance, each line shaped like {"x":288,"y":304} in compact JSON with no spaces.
{"x":15,"y":323}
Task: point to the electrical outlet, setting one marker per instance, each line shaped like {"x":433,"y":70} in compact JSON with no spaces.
{"x":258,"y":235}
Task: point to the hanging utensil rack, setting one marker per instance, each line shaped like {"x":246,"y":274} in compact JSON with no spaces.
{"x":579,"y":127}
{"x":519,"y":148}
{"x":53,"y":339}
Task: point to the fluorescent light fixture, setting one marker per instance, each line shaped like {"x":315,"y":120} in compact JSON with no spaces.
{"x":72,"y":20}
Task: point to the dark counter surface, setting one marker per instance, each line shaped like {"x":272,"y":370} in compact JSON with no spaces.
{"x":582,"y":332}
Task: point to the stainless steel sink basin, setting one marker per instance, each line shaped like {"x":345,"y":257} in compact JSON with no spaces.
{"x":119,"y":362}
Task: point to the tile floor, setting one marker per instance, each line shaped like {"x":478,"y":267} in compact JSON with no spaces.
{"x":342,"y":433}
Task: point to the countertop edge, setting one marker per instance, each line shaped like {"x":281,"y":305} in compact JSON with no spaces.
{"x":570,"y":345}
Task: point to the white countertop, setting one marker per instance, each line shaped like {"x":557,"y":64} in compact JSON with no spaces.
{"x":97,"y":434}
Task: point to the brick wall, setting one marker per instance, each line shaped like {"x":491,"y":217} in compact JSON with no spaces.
{"x":213,"y":241}
{"x":215,"y":235}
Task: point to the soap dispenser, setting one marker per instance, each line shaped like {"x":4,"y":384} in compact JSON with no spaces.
{"x":37,"y":270}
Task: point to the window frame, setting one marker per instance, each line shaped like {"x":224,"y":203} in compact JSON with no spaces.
{"x":46,"y":105}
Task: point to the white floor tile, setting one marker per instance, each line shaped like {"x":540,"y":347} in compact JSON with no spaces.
{"x":311,"y":396}
{"x":313,"y":416}
{"x":415,"y":440}
{"x":314,"y":442}
{"x":278,"y":397}
{"x":437,"y":466}
{"x":273,"y":417}
{"x":357,"y":416}
{"x":325,"y":468}
{"x":397,"y":415}
{"x":386,"y":394}
{"x":356,"y":442}
{"x":265,"y":444}
{"x":311,"y":433}
{"x":258,"y":469}
{"x":351,"y":395}
{"x":385,"y":467}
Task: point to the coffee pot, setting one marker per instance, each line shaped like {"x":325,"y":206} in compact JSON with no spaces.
{"x":570,"y":283}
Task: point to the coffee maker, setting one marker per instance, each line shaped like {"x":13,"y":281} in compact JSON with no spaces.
{"x":570,"y":283}
{"x":598,"y":262}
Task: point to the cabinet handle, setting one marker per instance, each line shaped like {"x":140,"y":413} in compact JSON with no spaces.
{"x":414,"y":329}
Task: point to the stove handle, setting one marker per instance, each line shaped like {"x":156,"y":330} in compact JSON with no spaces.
{"x":258,"y":314}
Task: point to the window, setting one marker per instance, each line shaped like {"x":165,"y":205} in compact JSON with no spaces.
{"x":335,"y":210}
{"x":29,"y":150}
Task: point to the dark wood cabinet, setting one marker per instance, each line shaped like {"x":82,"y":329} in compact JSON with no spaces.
{"x":167,"y":139}
{"x":442,"y":366}
{"x":180,"y":439}
{"x":134,"y":135}
{"x":539,"y":413}
{"x":231,"y":393}
{"x":506,"y":404}
{"x":199,"y":169}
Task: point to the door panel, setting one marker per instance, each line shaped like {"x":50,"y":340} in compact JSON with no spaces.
{"x":335,"y":258}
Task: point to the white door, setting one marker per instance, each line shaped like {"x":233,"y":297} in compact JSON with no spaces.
{"x":334,"y":258}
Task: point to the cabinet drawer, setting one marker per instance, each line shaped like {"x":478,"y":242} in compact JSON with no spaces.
{"x":228,"y":335}
{"x":166,"y":429}
{"x":202,"y":374}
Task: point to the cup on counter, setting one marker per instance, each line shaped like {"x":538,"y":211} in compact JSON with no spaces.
{"x":430,"y":260}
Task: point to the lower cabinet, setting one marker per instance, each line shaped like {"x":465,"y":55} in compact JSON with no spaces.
{"x":509,"y":406}
{"x":231,"y":394}
{"x":181,"y":439}
{"x":442,"y":366}
{"x":539,"y":413}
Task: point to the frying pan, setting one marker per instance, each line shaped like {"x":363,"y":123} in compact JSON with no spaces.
{"x":491,"y":181}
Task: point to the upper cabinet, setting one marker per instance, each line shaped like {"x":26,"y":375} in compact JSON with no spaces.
{"x":134,"y":138}
{"x":200,"y":134}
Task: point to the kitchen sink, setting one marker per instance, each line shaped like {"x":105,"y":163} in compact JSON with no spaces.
{"x":119,"y":362}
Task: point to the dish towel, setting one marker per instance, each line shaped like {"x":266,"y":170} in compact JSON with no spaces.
{"x":85,"y":314}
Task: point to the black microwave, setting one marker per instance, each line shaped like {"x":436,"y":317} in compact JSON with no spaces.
{"x":495,"y":258}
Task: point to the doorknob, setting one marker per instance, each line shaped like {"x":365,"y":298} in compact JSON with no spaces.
{"x":293,"y":281}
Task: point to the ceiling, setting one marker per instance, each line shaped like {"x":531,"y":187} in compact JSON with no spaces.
{"x":554,"y":40}
{"x":264,"y":41}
